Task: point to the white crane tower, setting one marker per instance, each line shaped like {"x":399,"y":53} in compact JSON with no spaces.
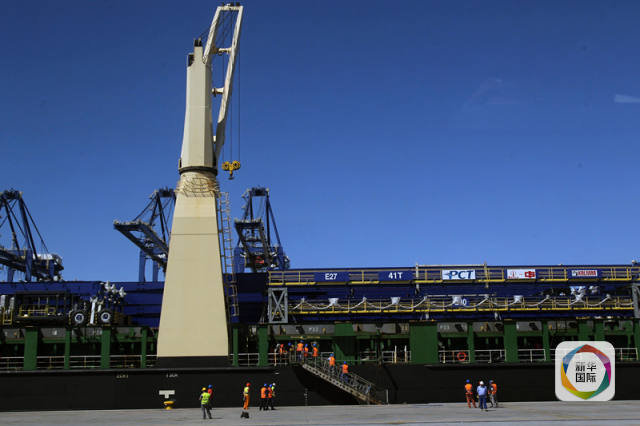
{"x":193,"y":324}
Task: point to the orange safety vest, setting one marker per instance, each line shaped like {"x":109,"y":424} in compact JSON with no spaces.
{"x":332,"y":361}
{"x":469,"y":388}
{"x":270,"y":394}
{"x":494,"y":388}
{"x":306,"y":351}
{"x":263,"y":392}
{"x":300,"y":346}
{"x":345,"y":368}
{"x":315,"y":351}
{"x":281,"y":349}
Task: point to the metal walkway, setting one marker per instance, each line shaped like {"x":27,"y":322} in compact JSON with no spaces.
{"x":351,"y":383}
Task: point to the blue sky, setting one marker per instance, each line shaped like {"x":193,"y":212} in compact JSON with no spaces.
{"x":389,"y":133}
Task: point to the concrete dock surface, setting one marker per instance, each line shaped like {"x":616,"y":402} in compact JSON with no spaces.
{"x":509,"y":413}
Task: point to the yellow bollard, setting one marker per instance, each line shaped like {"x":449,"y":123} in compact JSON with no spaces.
{"x":168,"y":405}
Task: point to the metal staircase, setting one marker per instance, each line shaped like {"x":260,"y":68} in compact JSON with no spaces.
{"x":351,"y":383}
{"x":226,"y":244}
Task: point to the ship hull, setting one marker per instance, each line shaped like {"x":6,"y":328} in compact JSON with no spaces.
{"x":141,"y":388}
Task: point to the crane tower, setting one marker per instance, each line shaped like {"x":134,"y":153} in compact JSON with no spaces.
{"x":193,"y":324}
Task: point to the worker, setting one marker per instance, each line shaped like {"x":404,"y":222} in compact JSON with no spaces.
{"x":332,"y":361}
{"x":299,"y":349}
{"x":263,"y":397}
{"x":306,"y":351}
{"x":493,"y":391}
{"x":315,"y":354}
{"x":468,"y":391}
{"x":210,"y":392}
{"x":345,"y":371}
{"x":245,"y":401}
{"x":482,"y":396}
{"x":204,"y":403}
{"x":291,"y":350}
{"x":269,"y":397}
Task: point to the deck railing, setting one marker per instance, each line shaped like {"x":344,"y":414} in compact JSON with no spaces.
{"x":435,"y":274}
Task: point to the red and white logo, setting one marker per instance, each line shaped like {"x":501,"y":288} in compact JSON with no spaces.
{"x":521,"y":274}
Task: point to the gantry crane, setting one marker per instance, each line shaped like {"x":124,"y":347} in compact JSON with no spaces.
{"x":256,"y":249}
{"x":150,"y":231}
{"x":20,"y":253}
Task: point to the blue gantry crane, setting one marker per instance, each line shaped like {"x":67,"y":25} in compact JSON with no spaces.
{"x":150,"y":231}
{"x":19,"y":253}
{"x":256,"y":249}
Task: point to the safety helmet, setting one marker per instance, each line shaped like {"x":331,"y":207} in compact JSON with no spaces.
{"x":332,"y":354}
{"x":490,"y":381}
{"x":344,"y":362}
{"x":248,"y":384}
{"x":210,"y":386}
{"x":204,"y":389}
{"x":265,"y":385}
{"x":468,"y":381}
{"x":481,"y":382}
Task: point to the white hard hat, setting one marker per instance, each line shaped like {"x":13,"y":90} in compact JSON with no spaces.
{"x":481,"y":382}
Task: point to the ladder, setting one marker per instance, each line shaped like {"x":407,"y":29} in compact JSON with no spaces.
{"x":351,"y":383}
{"x":226,"y":245}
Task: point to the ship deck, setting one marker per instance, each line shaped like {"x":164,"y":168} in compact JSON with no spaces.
{"x":549,"y":412}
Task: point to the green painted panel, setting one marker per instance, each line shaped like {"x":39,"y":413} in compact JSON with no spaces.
{"x":423,"y":343}
{"x":30,"y":361}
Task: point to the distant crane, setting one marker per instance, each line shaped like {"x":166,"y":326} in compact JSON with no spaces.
{"x":150,"y":231}
{"x":20,"y":254}
{"x":256,"y":249}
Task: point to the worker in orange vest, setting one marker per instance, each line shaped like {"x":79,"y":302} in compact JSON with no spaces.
{"x":493,"y":391}
{"x":468,"y":391}
{"x":245,"y":401}
{"x":345,"y":371}
{"x":270,"y":392}
{"x":332,"y":361}
{"x":263,"y":397}
{"x":306,"y":351}
{"x":299,"y":349}
{"x":315,"y":351}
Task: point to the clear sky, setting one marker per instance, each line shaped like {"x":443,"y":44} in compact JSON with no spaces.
{"x":389,"y":133}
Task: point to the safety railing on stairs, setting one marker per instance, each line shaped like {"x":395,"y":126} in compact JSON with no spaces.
{"x":362,"y":389}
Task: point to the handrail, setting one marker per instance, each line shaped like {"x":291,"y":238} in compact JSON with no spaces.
{"x":438,"y":303}
{"x":356,"y":385}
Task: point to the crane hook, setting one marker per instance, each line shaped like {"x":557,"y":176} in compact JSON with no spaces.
{"x":230,"y":167}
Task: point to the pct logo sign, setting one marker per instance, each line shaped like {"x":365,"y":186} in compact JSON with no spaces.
{"x":585,"y":371}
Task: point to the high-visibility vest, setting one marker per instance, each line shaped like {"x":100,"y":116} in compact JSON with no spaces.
{"x":315,"y":351}
{"x":300,"y":345}
{"x":263,"y":392}
{"x":204,"y":398}
{"x":270,"y":393}
{"x":245,"y":392}
{"x":281,"y":350}
{"x":468,"y":387}
{"x":273,"y":390}
{"x":332,"y":361}
{"x":494,"y":388}
{"x":345,"y":368}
